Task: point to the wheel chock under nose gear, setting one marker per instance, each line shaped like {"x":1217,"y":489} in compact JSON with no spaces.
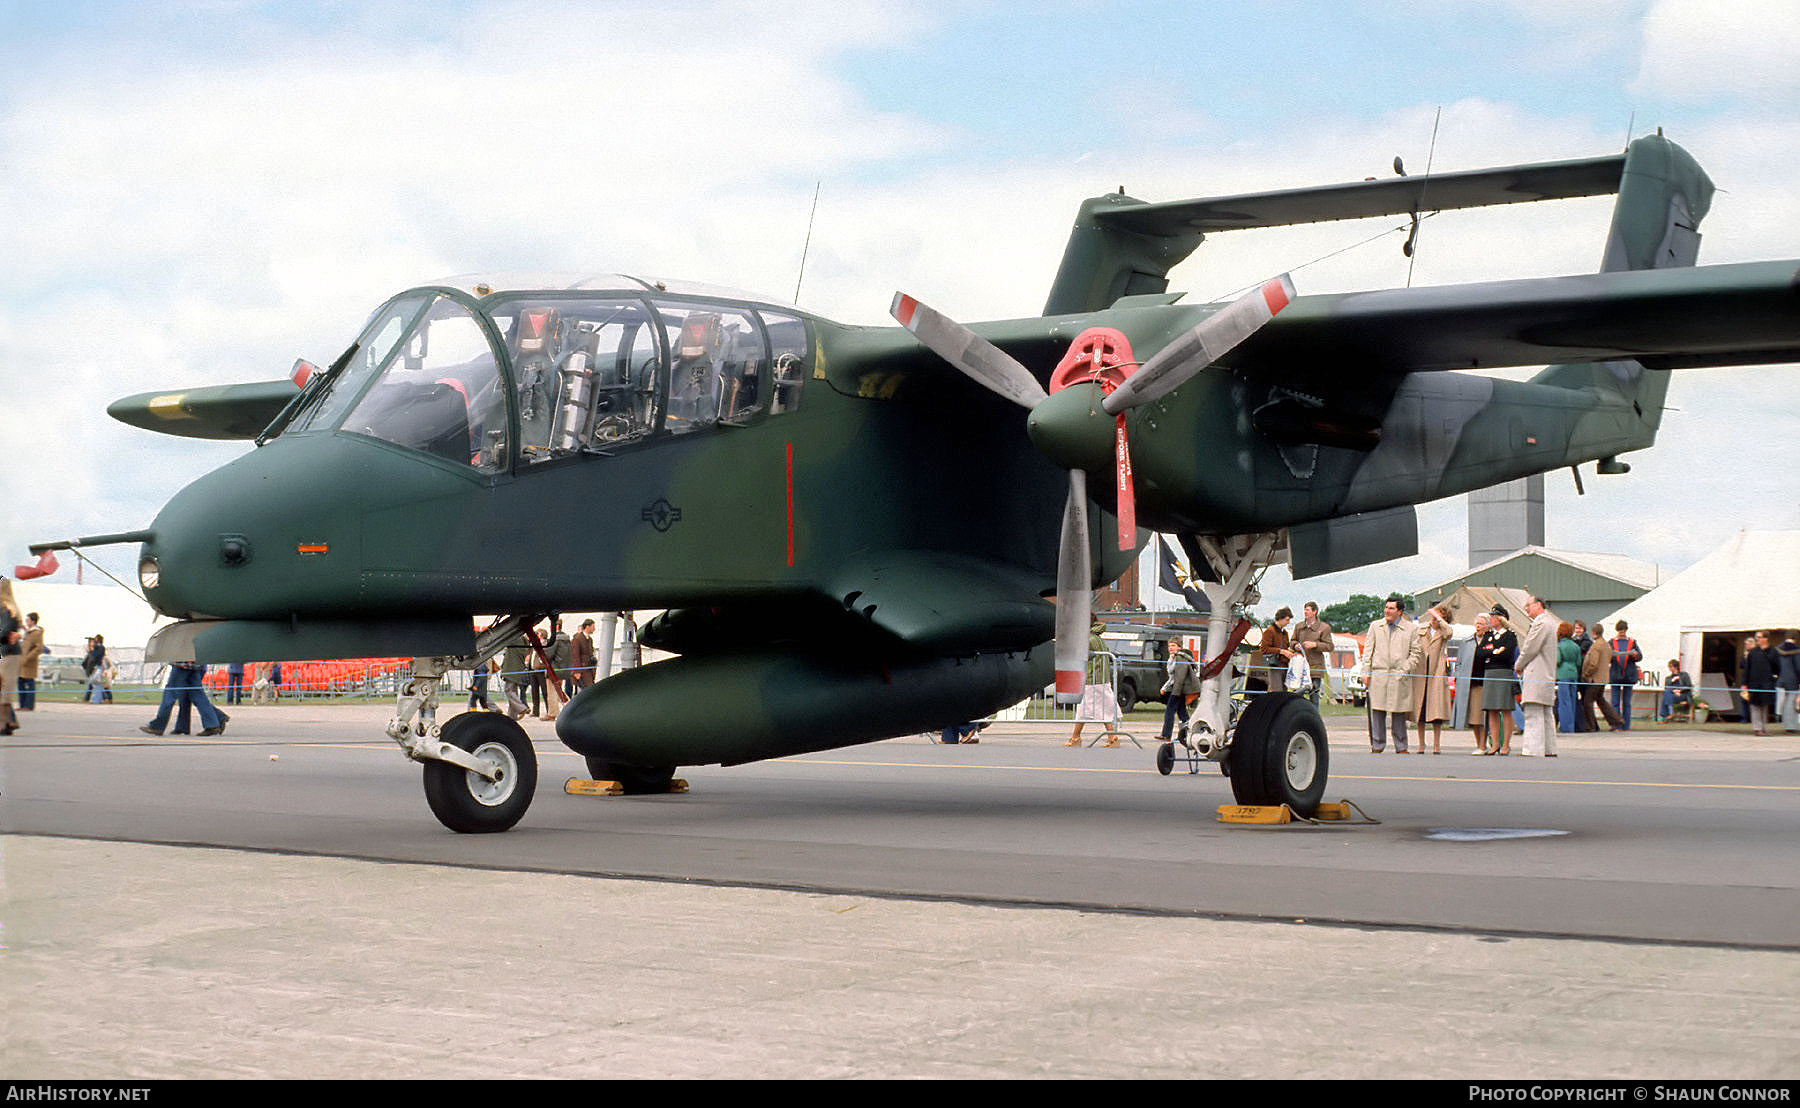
{"x":581,"y":786}
{"x":1341,"y":812}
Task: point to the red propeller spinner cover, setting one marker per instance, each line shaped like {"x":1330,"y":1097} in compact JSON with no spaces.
{"x":1097,"y":354}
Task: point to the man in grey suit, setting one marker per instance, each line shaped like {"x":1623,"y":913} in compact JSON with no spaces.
{"x":1537,"y":682}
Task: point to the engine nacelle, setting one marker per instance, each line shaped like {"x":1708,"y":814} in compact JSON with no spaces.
{"x":728,"y":709}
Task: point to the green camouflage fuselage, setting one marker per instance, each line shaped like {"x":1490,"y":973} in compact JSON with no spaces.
{"x":870,"y":555}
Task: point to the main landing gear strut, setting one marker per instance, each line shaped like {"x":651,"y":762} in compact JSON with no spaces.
{"x":1274,"y":749}
{"x":480,"y":767}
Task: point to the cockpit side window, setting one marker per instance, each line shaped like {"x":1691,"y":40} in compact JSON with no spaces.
{"x":787,"y":350}
{"x":718,"y":364}
{"x":440,"y":392}
{"x":586,"y":373}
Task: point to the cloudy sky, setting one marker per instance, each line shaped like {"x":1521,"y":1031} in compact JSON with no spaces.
{"x":198,"y":193}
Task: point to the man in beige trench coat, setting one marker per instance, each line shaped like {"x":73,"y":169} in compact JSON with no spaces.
{"x":1390,"y":651}
{"x":1537,"y":682}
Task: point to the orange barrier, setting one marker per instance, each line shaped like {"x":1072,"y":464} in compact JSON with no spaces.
{"x":318,"y":678}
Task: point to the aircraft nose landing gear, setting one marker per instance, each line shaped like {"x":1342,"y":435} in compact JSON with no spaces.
{"x":480,"y":767}
{"x":1275,"y":750}
{"x":490,"y":799}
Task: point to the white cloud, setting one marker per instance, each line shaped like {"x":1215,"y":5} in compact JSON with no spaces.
{"x":1703,"y":50}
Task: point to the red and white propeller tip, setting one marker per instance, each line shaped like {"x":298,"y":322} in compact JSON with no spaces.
{"x":978,"y":358}
{"x":1211,"y":339}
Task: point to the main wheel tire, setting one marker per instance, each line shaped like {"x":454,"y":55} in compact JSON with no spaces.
{"x":1279,"y":754}
{"x":637,"y":780}
{"x":467,"y":802}
{"x":1128,"y":695}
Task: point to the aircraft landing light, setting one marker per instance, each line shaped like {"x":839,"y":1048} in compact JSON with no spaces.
{"x":168,"y":406}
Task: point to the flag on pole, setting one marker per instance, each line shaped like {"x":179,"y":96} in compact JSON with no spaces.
{"x":1175,"y":578}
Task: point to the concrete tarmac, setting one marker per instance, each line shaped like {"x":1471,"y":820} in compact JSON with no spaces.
{"x":128,"y":960}
{"x":134,"y":961}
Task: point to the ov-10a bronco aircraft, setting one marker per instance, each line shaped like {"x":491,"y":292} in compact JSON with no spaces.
{"x":854,"y":532}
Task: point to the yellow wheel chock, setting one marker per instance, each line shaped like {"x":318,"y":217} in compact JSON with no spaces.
{"x":581,"y":786}
{"x":1281,"y":813}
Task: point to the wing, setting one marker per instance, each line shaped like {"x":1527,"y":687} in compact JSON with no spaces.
{"x":212,"y":412}
{"x":1739,"y":314}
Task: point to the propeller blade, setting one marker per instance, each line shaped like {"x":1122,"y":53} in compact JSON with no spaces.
{"x":1176,"y":363}
{"x":1074,"y":594}
{"x":975,"y":356}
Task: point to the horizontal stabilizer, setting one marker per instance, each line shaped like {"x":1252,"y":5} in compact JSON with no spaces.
{"x":210,"y":412}
{"x":1476,"y":188}
{"x":1121,"y":246}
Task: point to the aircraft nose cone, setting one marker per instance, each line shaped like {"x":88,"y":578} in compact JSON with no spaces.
{"x":1070,"y":429}
{"x":201,"y":550}
{"x":253,"y":540}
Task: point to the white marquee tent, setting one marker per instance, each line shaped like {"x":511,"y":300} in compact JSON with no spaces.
{"x":69,"y":613}
{"x":1750,"y":582}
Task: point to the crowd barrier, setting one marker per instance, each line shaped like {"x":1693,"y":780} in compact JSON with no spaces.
{"x":1041,"y":706}
{"x":1646,"y":698}
{"x":381,"y":678}
{"x":361,"y":678}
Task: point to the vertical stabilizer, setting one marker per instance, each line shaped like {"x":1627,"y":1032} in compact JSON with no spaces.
{"x":1663,"y":195}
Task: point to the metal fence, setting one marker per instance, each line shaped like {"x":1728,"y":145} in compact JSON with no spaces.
{"x":1041,"y":706}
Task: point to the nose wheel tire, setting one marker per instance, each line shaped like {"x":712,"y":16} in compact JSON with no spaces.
{"x":1279,"y":754}
{"x":470,"y":803}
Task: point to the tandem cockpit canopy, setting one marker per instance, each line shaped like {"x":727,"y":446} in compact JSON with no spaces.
{"x":533,"y":376}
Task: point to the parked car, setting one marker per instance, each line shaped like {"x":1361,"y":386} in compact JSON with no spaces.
{"x":60,"y":669}
{"x":1139,"y":664}
{"x":1142,"y":654}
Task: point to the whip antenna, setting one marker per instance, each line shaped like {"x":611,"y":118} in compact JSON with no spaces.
{"x":1412,"y":240}
{"x":807,"y":246}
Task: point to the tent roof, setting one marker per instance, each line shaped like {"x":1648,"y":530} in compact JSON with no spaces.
{"x":1747,"y":582}
{"x":1472,"y":600}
